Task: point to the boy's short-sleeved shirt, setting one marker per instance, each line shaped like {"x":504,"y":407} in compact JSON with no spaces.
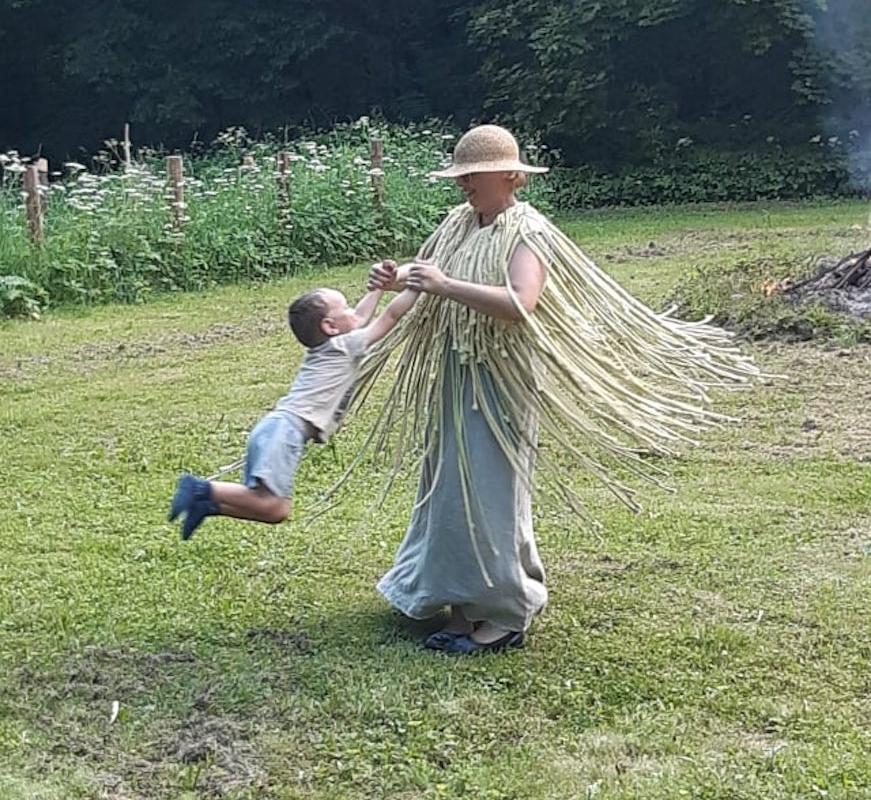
{"x":322,"y":388}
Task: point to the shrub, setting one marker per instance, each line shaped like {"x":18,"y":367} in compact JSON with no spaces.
{"x":20,"y":297}
{"x":698,"y":175}
{"x":109,"y":233}
{"x":732,"y":294}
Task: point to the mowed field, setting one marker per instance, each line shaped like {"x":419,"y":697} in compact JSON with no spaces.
{"x":716,"y":646}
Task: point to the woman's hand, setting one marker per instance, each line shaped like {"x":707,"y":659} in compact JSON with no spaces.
{"x":507,"y":303}
{"x":424,"y":276}
{"x":385,"y":277}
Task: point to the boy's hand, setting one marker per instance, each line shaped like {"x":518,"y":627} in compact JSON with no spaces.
{"x":382,"y":277}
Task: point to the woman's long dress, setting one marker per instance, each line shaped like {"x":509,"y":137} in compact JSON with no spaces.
{"x":437,"y":565}
{"x":595,"y":368}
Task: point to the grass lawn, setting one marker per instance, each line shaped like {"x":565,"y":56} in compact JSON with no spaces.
{"x":717,"y":646}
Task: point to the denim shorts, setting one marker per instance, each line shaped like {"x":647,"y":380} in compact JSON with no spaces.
{"x":275,"y":449}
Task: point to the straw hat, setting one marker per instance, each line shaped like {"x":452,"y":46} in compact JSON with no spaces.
{"x":486,"y":148}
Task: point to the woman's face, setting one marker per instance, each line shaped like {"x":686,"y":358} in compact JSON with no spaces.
{"x":486,"y":190}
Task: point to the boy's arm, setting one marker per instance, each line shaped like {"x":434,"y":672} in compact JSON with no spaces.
{"x":366,"y":307}
{"x":399,"y":306}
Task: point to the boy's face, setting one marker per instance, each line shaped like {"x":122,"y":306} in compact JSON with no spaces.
{"x":340,"y":317}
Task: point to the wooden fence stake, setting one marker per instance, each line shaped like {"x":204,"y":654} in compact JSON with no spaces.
{"x":126,"y":146}
{"x":33,"y":204}
{"x":283,"y":178}
{"x":377,"y":167}
{"x":175,"y":171}
{"x":42,"y":170}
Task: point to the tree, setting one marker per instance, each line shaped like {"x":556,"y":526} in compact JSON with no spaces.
{"x":624,"y":80}
{"x":179,"y":68}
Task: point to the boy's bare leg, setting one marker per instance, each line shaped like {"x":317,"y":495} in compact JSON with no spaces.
{"x":240,"y":502}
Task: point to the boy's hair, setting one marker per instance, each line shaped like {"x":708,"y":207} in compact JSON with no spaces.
{"x":305,"y":316}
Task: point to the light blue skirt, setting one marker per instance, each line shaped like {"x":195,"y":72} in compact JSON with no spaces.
{"x":497,"y":576}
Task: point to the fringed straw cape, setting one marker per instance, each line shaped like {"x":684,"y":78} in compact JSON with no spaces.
{"x":607,"y":377}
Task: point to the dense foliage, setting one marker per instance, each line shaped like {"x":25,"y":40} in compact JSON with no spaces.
{"x":694,"y":175}
{"x":111,"y":234}
{"x":611,"y":84}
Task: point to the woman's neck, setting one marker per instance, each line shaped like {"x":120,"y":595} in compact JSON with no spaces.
{"x":486,"y":218}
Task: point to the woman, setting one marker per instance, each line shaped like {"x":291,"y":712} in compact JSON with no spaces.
{"x":518,"y":329}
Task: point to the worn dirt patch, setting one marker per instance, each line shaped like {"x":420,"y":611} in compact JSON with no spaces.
{"x":284,"y":639}
{"x":221,"y":746}
{"x":706,"y":242}
{"x":93,"y":357}
{"x":70,"y":708}
{"x":834,"y":412}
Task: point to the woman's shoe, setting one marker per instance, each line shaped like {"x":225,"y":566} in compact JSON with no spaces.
{"x":467,"y":646}
{"x":441,"y":640}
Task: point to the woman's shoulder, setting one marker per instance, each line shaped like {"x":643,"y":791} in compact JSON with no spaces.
{"x":530,"y":219}
{"x":462,"y":212}
{"x":457,"y":217}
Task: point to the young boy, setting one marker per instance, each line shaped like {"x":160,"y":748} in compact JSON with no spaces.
{"x":336,"y":338}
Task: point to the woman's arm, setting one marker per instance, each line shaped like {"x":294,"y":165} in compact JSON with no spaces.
{"x":525,"y":272}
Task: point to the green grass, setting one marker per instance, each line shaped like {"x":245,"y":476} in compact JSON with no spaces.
{"x":715,"y":647}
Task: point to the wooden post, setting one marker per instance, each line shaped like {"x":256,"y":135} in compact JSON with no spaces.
{"x":126,"y":146}
{"x":33,"y":204}
{"x":175,"y":171}
{"x":377,"y":167}
{"x":248,"y":162}
{"x":283,"y":178}
{"x":42,"y":170}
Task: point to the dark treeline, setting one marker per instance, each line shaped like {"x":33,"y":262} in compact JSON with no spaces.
{"x":611,"y":83}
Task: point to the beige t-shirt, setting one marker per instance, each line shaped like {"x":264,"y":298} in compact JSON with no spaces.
{"x":323,"y":385}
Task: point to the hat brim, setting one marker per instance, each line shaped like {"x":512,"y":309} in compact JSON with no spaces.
{"x":456,"y":170}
